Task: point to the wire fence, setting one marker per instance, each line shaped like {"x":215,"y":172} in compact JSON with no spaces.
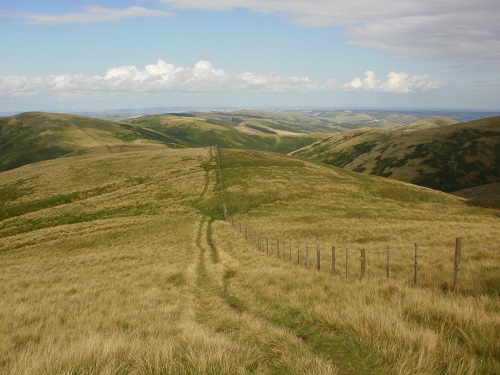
{"x":423,"y":264}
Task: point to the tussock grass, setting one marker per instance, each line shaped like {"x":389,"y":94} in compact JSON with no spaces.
{"x":117,"y":263}
{"x":374,"y":326}
{"x":107,"y":265}
{"x":411,"y":330}
{"x":281,"y":198}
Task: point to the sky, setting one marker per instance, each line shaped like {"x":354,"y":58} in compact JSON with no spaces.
{"x":110,"y":54}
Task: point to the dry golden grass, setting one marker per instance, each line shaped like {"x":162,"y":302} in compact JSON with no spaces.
{"x":115,"y":263}
{"x":370,"y":326}
{"x":106,"y":267}
{"x":282,"y":198}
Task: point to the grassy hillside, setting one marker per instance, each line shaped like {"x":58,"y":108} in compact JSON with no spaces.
{"x":446,"y":158}
{"x":35,"y":136}
{"x":309,"y":121}
{"x":117,"y":263}
{"x":487,"y":195}
{"x":426,"y":123}
{"x":225,"y":132}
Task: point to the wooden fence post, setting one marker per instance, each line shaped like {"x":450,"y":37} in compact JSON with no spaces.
{"x":333,"y":260}
{"x":362,"y":258}
{"x":415,"y":277}
{"x":318,"y":257}
{"x":456,"y":268}
{"x":298,"y":252}
{"x":267,"y":245}
{"x":278,"y":248}
{"x":290,"y":249}
{"x":388,"y":261}
{"x":346,"y":261}
{"x":307,"y":256}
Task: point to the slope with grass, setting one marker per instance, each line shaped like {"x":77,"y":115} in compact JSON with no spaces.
{"x":118,"y":263}
{"x":429,"y":122}
{"x":36,"y":136}
{"x":487,"y":195}
{"x":309,"y":121}
{"x":226,"y":133}
{"x":446,"y":158}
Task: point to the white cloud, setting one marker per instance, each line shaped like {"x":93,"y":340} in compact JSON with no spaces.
{"x":163,"y":77}
{"x":89,"y":14}
{"x":155,"y":78}
{"x":461,"y":31}
{"x":395,"y":83}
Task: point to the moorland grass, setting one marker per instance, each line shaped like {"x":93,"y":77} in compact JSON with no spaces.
{"x":148,"y":280}
{"x":387,"y":325}
{"x":290,"y":200}
{"x":132,"y":290}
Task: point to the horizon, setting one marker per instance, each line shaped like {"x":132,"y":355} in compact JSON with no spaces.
{"x":194,"y":108}
{"x":76,"y":56}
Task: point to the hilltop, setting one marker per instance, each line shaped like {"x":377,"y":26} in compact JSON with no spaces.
{"x":447,"y":158}
{"x":36,"y":136}
{"x":115,"y":263}
{"x":435,"y":152}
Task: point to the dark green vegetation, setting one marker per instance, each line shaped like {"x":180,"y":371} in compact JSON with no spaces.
{"x":446,"y":158}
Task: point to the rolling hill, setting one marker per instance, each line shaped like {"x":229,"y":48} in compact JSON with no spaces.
{"x":208,"y":130}
{"x":121,"y":263}
{"x":36,"y":136}
{"x":446,"y":158}
{"x":429,"y":122}
{"x":308,"y":121}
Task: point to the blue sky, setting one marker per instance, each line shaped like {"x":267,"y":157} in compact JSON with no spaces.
{"x":102,"y":54}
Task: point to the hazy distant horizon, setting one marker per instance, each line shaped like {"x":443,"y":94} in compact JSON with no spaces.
{"x":454,"y":113}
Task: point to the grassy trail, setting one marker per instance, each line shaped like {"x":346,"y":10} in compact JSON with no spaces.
{"x":261,"y":345}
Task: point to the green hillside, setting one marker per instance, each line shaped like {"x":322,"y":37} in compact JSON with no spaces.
{"x":36,"y":136}
{"x":226,"y":132}
{"x":447,"y":158}
{"x":308,"y":121}
{"x":121,"y":263}
{"x":429,"y":122}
